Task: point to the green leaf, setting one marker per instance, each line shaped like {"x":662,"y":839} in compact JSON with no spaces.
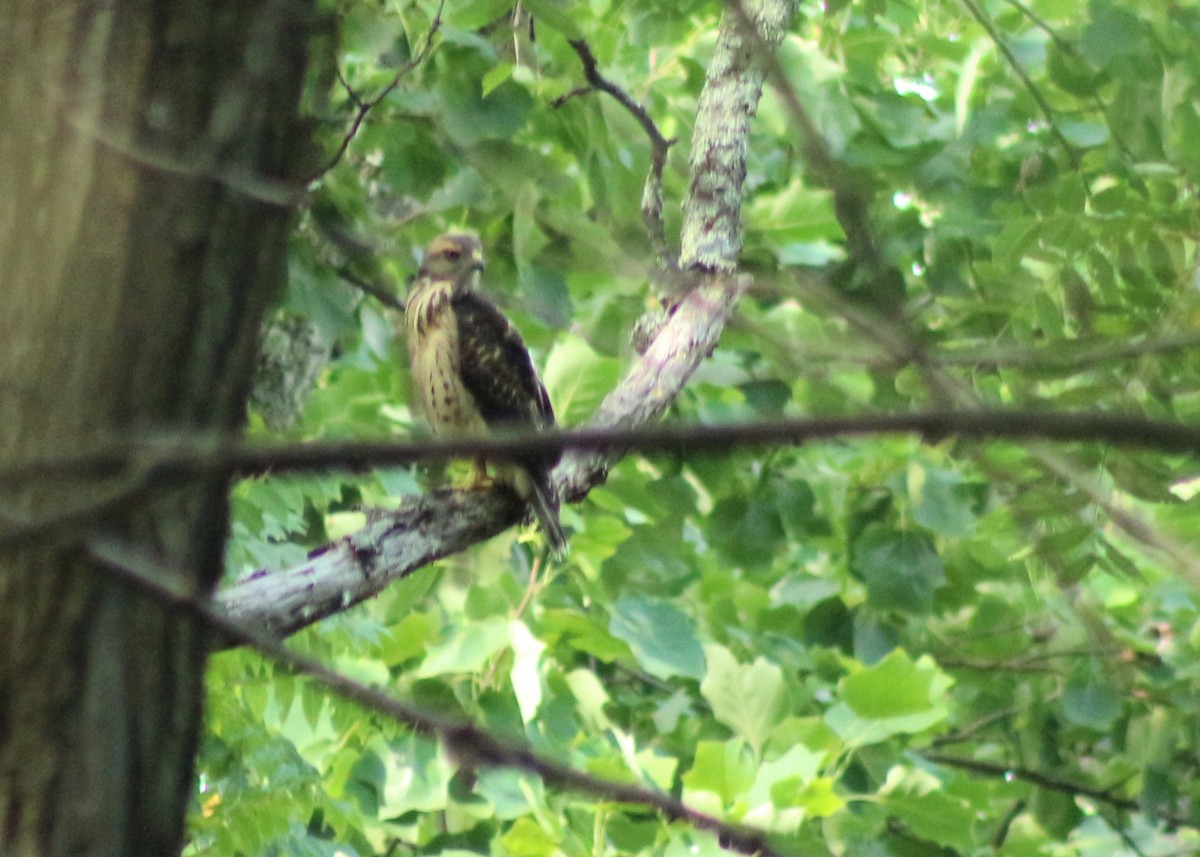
{"x":750,"y":700}
{"x":578,"y":379}
{"x":941,"y":500}
{"x":780,"y":794}
{"x":1091,"y":700}
{"x":526,"y":669}
{"x":409,"y":639}
{"x":901,"y":569}
{"x":723,"y":769}
{"x":935,"y":816}
{"x":418,"y":776}
{"x":894,"y":687}
{"x":526,"y":838}
{"x":474,"y":14}
{"x":468,"y":648}
{"x":512,"y":793}
{"x":746,"y":529}
{"x":660,"y":635}
{"x":498,"y":75}
{"x":896,"y":696}
{"x":559,"y":14}
{"x":1112,"y":32}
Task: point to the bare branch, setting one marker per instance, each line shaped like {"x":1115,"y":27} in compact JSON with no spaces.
{"x":615,"y":431}
{"x":465,"y":743}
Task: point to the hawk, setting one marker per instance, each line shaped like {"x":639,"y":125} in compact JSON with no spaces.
{"x":472,"y":371}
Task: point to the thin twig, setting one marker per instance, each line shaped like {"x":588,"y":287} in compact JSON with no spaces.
{"x":206,"y":454}
{"x":376,"y":290}
{"x":1043,"y":105}
{"x":363,"y":107}
{"x":971,"y":730}
{"x":1036,"y":662}
{"x":652,"y":195}
{"x":465,"y":743}
{"x":1069,"y":48}
{"x":530,"y":588}
{"x":1043,"y":780}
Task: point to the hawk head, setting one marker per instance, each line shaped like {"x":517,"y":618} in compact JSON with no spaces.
{"x":456,"y":256}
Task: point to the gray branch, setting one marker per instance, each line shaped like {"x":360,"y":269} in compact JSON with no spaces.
{"x":711,"y":234}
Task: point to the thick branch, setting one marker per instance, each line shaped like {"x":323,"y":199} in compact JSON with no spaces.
{"x":711,"y":241}
{"x":644,"y":395}
{"x":435,"y":526}
{"x":711,"y":235}
{"x":360,"y":566}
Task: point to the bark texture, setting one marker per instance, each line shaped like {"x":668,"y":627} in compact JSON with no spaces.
{"x":711,"y":236}
{"x":144,"y":161}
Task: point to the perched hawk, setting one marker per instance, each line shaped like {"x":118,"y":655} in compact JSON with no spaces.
{"x":472,"y":371}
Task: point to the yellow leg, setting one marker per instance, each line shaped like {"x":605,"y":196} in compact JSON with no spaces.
{"x":480,"y":478}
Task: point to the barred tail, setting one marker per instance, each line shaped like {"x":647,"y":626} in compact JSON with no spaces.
{"x":544,"y":501}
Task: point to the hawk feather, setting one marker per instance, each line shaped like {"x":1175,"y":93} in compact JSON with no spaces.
{"x":473,"y":372}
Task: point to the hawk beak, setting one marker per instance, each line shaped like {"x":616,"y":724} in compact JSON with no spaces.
{"x":477,"y":260}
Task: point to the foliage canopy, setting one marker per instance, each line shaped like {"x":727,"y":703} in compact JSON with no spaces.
{"x":866,"y":647}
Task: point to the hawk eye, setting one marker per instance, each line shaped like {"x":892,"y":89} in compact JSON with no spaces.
{"x":452,"y":255}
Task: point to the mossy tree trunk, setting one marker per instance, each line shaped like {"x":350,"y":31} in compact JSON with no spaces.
{"x":146,"y":150}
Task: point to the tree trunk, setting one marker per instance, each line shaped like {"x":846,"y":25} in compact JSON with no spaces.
{"x":145,"y":152}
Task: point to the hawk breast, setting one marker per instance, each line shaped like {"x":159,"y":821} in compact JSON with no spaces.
{"x":434,"y":349}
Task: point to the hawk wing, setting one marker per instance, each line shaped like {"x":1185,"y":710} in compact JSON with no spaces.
{"x":496,"y":368}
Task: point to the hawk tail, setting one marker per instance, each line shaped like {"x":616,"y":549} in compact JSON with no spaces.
{"x":544,"y":501}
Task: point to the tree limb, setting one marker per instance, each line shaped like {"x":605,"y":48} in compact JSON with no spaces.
{"x":151,"y":463}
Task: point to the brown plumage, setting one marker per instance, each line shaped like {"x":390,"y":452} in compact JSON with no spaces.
{"x":472,"y":371}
